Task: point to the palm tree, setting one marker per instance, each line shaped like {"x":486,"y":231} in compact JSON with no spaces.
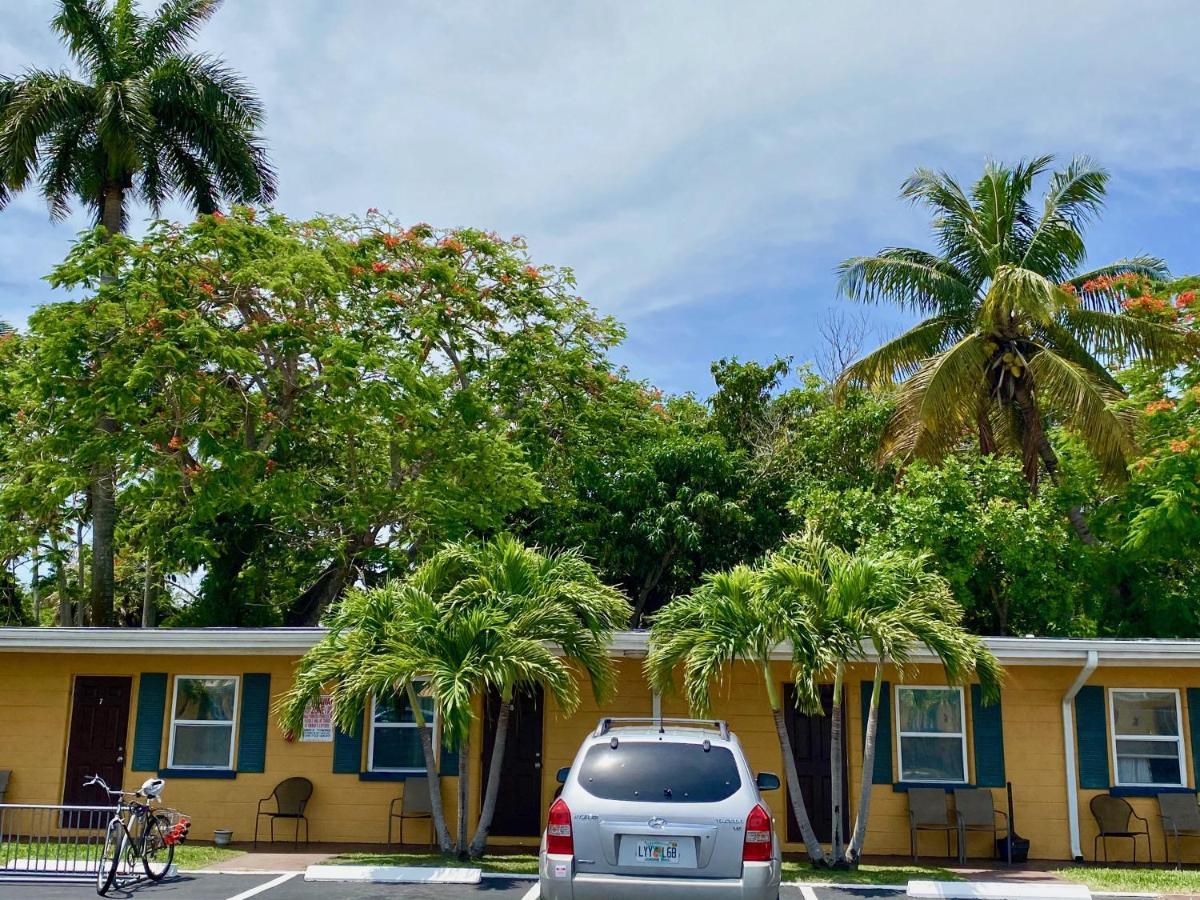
{"x":474,"y":617}
{"x":731,"y":617}
{"x":145,"y":120}
{"x":543,"y":600}
{"x":888,"y":602}
{"x":1014,"y":333}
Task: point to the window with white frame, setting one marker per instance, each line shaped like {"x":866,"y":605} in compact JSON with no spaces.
{"x":1147,"y":738}
{"x":203,"y":715}
{"x":932,"y":737}
{"x":395,"y":743}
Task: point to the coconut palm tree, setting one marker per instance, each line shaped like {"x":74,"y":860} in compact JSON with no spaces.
{"x":475,"y":617}
{"x":731,"y":617}
{"x":1014,"y":333}
{"x":887,"y":602}
{"x":144,"y":119}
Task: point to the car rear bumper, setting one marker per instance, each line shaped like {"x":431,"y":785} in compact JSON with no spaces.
{"x":559,"y":881}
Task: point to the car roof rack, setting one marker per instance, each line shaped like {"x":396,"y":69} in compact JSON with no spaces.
{"x":607,"y":723}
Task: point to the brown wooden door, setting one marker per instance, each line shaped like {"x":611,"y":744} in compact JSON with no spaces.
{"x":96,"y":745}
{"x":519,"y":801}
{"x":810,"y":736}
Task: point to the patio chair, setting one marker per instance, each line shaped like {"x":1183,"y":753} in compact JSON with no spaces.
{"x":1114,"y":817}
{"x":928,"y":811}
{"x":1180,"y":814}
{"x":414,"y":804}
{"x":976,"y":812}
{"x":291,"y":796}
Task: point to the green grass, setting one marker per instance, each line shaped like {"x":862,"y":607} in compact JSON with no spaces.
{"x":201,"y":856}
{"x":187,"y":856}
{"x":508,"y":863}
{"x":800,"y":869}
{"x":1158,"y":881}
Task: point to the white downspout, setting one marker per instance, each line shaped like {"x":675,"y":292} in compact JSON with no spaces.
{"x":656,"y":705}
{"x":1068,"y":719}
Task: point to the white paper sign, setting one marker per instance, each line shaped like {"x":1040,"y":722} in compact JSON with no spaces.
{"x":318,"y":721}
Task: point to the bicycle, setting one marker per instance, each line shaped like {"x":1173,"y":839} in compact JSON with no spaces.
{"x":138,"y":831}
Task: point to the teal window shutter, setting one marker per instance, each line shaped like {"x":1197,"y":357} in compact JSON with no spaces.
{"x":988,"y":724}
{"x":1193,"y":705}
{"x":882,"y":772}
{"x":347,"y":751}
{"x":1091,"y":737}
{"x":252,"y":726}
{"x":148,"y":723}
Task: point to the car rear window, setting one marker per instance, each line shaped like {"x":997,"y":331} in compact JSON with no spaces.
{"x":644,"y":770}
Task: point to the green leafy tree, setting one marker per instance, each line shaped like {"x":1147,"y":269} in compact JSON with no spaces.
{"x":473,"y":618}
{"x":144,"y":119}
{"x":1014,"y":333}
{"x":302,"y":405}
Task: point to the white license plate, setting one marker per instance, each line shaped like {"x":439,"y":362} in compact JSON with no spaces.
{"x":658,"y":853}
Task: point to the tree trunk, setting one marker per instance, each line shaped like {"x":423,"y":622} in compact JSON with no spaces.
{"x":488,"y":809}
{"x":148,"y":595}
{"x":104,"y":474}
{"x":816,"y":854}
{"x":1036,"y":451}
{"x":64,"y":592}
{"x":863,"y":815}
{"x":653,"y":577}
{"x":835,"y":765}
{"x":436,"y":811}
{"x":82,"y":573}
{"x":464,"y":783}
{"x":35,"y":587}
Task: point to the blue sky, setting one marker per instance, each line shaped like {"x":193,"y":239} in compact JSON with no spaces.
{"x":703,"y":166}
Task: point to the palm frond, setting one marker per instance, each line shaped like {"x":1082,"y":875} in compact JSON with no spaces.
{"x":1095,"y":291}
{"x":86,"y":28}
{"x":960,"y":233}
{"x":937,"y":406}
{"x":38,"y":104}
{"x":1018,"y":296}
{"x":173,"y":26}
{"x":1083,"y":401}
{"x":1074,"y":197}
{"x":913,"y":279}
{"x":902,"y":355}
{"x":1131,"y":337}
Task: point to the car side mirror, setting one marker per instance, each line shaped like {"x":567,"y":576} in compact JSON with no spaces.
{"x":767,"y":781}
{"x":561,"y":776}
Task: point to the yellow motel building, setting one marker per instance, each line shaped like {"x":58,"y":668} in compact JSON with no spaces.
{"x":1076,"y":718}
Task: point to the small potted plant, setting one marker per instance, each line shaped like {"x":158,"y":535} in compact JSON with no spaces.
{"x":223,"y":837}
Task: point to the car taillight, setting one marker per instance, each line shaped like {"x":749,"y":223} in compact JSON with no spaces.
{"x":757,"y":845}
{"x":558,"y":830}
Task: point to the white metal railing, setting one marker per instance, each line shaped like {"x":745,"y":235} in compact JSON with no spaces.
{"x":47,"y":841}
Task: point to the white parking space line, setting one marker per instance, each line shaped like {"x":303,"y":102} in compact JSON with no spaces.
{"x":807,"y":893}
{"x":532,"y":894}
{"x":266,"y":886}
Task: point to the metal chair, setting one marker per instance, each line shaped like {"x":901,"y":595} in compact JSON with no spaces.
{"x":1180,"y":814}
{"x":976,"y":811}
{"x":929,"y":811}
{"x":291,"y":796}
{"x":1114,"y":816}
{"x":414,"y":803}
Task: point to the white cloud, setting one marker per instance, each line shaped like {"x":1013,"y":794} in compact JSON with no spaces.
{"x":673,"y":152}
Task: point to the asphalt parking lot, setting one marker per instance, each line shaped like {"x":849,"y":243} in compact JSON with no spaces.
{"x":293,"y":887}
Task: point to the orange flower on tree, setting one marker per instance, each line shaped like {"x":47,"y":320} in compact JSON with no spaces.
{"x":1181,"y":446}
{"x":1159,"y":406}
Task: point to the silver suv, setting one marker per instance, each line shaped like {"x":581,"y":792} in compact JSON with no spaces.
{"x":660,"y":808}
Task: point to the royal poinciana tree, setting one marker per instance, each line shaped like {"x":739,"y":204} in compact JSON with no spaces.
{"x":142,"y":120}
{"x":1015,"y":336}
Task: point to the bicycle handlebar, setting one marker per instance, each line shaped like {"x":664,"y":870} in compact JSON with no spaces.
{"x":96,"y":779}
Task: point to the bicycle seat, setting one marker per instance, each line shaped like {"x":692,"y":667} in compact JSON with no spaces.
{"x":152,"y":787}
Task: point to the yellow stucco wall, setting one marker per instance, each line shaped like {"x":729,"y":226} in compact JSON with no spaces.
{"x":36,"y":703}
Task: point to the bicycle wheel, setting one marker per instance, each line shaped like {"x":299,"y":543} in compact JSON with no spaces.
{"x":157,"y":854}
{"x":110,"y":859}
